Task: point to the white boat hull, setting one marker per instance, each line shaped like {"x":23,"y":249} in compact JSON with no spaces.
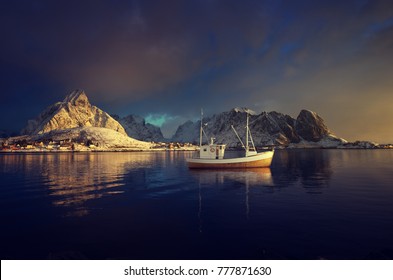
{"x":262,"y":159}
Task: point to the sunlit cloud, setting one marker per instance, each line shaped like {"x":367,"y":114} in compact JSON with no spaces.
{"x":170,"y":59}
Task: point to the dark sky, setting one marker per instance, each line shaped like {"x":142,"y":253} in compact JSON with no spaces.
{"x":166,"y":59}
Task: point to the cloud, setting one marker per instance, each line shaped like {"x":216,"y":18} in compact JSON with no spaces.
{"x":172,"y":58}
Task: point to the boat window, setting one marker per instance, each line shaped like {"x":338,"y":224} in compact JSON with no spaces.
{"x":204,"y":150}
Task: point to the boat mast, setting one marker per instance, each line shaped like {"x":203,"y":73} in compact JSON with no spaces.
{"x":249,"y":138}
{"x":200,"y":131}
{"x":247,"y":135}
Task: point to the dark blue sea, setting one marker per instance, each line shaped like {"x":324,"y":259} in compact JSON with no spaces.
{"x":311,"y":204}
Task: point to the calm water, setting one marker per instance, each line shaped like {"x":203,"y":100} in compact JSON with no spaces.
{"x":311,"y":204}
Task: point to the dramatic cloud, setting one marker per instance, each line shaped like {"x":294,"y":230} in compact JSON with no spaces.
{"x":170,"y":58}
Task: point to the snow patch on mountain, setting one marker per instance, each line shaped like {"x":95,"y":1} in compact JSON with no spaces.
{"x":102,"y":138}
{"x":244,"y":110}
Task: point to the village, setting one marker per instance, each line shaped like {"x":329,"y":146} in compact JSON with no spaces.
{"x":69,"y":145}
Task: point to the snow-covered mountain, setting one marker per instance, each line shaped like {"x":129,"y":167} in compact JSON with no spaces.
{"x":137,"y":128}
{"x":268,"y":128}
{"x":102,"y":138}
{"x":73,"y":112}
{"x":75,"y":120}
{"x":187,"y":132}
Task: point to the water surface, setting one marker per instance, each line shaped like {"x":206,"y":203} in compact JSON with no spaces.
{"x":311,"y":204}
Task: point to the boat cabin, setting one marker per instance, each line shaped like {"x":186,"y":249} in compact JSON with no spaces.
{"x":212,"y":151}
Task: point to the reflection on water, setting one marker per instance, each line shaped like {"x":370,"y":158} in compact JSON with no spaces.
{"x":75,"y":178}
{"x":249,"y":177}
{"x":244,"y":178}
{"x":311,"y":168}
{"x":309,"y":204}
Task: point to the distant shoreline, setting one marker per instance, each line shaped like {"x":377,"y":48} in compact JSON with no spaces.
{"x":95,"y":151}
{"x":173,"y":150}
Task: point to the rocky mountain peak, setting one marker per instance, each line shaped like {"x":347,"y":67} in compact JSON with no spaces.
{"x":310,"y":126}
{"x":243,"y":110}
{"x":74,"y":112}
{"x":77,"y":98}
{"x":136,"y":127}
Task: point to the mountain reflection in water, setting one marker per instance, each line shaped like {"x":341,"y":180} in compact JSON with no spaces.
{"x":309,"y":168}
{"x":310,"y":204}
{"x":75,"y":178}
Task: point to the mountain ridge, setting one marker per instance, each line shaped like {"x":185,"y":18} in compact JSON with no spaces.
{"x":268,"y":128}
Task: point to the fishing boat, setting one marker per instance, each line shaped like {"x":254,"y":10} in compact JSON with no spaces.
{"x":211,"y":155}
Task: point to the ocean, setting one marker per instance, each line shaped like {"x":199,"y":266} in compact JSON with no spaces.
{"x":311,"y":204}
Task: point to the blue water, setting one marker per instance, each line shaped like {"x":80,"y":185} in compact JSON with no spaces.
{"x":311,"y":204}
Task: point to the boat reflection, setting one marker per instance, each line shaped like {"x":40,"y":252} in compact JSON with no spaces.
{"x":75,"y":180}
{"x":246,"y":179}
{"x":249,"y":177}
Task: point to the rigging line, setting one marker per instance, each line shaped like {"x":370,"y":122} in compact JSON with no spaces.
{"x":238,"y":137}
